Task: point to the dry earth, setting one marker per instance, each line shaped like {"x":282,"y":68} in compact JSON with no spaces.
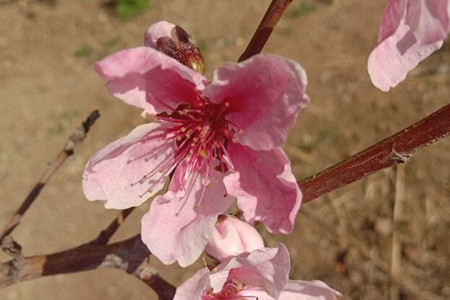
{"x":344,"y":238}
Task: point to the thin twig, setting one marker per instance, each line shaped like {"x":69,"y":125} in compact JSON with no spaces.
{"x":67,"y":150}
{"x":265,"y":28}
{"x":395,"y":149}
{"x":105,"y":235}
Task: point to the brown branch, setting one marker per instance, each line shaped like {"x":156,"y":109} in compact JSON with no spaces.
{"x":265,"y":28}
{"x":393,"y":150}
{"x":67,"y":150}
{"x":90,"y":257}
{"x":129,"y":255}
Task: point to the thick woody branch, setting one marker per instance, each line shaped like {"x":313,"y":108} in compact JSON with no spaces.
{"x":126,"y":255}
{"x":76,"y":137}
{"x":265,"y":28}
{"x":129,"y":255}
{"x":393,"y":150}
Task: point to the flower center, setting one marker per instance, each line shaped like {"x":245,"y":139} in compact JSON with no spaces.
{"x":201,"y":132}
{"x":230,"y":291}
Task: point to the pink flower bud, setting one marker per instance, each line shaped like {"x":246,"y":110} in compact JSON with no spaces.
{"x":175,"y":42}
{"x":232,"y":237}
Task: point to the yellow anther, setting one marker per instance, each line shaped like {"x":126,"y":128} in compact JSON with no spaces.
{"x":183,"y":129}
{"x":202,"y":153}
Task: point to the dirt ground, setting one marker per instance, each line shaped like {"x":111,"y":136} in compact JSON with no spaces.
{"x":48,"y":86}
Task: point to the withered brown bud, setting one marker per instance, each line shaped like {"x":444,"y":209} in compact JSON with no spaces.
{"x":182,"y":47}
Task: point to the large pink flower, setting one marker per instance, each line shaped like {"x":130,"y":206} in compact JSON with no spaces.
{"x":218,"y":141}
{"x":410,"y":31}
{"x":262,"y":274}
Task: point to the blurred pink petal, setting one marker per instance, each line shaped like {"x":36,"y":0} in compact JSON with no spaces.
{"x":232,"y":237}
{"x":429,"y":19}
{"x":308,"y":290}
{"x":265,"y":187}
{"x":156,"y":31}
{"x":410,"y":31}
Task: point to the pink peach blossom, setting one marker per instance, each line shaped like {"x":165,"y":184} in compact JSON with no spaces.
{"x":410,"y":31}
{"x":232,"y":237}
{"x":218,"y":141}
{"x":262,"y":274}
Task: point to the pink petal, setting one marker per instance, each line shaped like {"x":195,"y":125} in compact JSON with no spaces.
{"x":156,"y":31}
{"x":308,"y":290}
{"x":392,"y":16}
{"x":119,"y":173}
{"x":265,"y":188}
{"x":134,"y":75}
{"x":193,"y":287}
{"x":264,"y":94}
{"x":428,"y":19}
{"x":180,"y":222}
{"x":232,"y":237}
{"x":267,"y":268}
{"x":399,"y":52}
{"x":296,"y":290}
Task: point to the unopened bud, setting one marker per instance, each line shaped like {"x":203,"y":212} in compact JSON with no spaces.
{"x":175,"y":42}
{"x":232,"y":237}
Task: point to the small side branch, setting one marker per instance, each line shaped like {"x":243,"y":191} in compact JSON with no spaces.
{"x":265,"y":28}
{"x":105,"y":235}
{"x":67,"y":150}
{"x":396,"y":149}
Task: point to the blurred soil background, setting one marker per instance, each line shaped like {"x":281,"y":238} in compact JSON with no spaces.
{"x":48,"y":86}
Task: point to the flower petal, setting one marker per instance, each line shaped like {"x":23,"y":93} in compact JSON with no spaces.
{"x":134,"y":75}
{"x":264,"y":186}
{"x":399,"y":52}
{"x":119,"y":173}
{"x":392,"y":16}
{"x":194,"y":287}
{"x":428,"y":19}
{"x":308,"y":290}
{"x":180,"y":222}
{"x":267,"y":268}
{"x":264,"y":95}
{"x":232,"y":237}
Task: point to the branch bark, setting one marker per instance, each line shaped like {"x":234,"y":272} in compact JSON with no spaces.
{"x":129,"y":255}
{"x":265,"y":28}
{"x":393,"y":150}
{"x":126,"y":255}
